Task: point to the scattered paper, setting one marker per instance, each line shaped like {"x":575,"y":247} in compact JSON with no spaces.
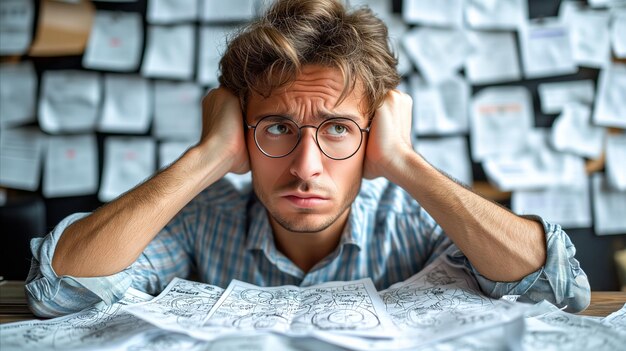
{"x":610,"y":107}
{"x":494,"y":59}
{"x":609,"y":206}
{"x":177,"y":111}
{"x":16,"y":24}
{"x":501,"y":14}
{"x":501,"y":118}
{"x":212,"y":48}
{"x":172,"y":11}
{"x":554,"y":96}
{"x":127,"y":104}
{"x":20,"y":158}
{"x":449,"y":155}
{"x":226,"y":11}
{"x":115,"y":42}
{"x":618,"y":28}
{"x":437,"y":13}
{"x":573,"y":132}
{"x":615,"y":163}
{"x":440,"y":108}
{"x":589,"y":30}
{"x":170,"y":151}
{"x":127,"y":162}
{"x":169,"y":52}
{"x":546,"y":49}
{"x":18,"y":93}
{"x":69,"y":101}
{"x":71,"y":166}
{"x":617,"y":320}
{"x":437,"y":52}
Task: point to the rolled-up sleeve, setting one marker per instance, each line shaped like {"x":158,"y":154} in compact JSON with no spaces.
{"x":50,"y":295}
{"x":560,"y":281}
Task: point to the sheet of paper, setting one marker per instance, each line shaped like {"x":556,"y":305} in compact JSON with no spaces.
{"x":589,"y":30}
{"x":170,"y":151}
{"x":212,"y":47}
{"x":494,"y":59}
{"x":437,"y":52}
{"x":553,"y":96}
{"x":450,"y":155}
{"x":339,"y":307}
{"x":177,"y":111}
{"x":226,"y":11}
{"x":69,"y":101}
{"x":573,"y":132}
{"x":440,"y":108}
{"x":618,"y":28}
{"x":610,"y":107}
{"x":127,"y":104}
{"x":16,"y":24}
{"x":18,"y":93}
{"x":437,"y":13}
{"x":20,"y":157}
{"x":71,"y":166}
{"x":617,"y":319}
{"x":546,"y":49}
{"x":172,"y":11}
{"x":615,"y":163}
{"x":568,"y":206}
{"x":501,"y":117}
{"x":537,"y":167}
{"x":115,"y":42}
{"x":169,"y":52}
{"x":609,"y":206}
{"x":499,"y":14}
{"x":397,"y":28}
{"x":128,"y":161}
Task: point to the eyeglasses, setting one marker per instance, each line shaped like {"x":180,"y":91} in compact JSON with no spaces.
{"x":338,"y":138}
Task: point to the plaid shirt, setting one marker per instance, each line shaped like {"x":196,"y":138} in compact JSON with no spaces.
{"x":225,"y":234}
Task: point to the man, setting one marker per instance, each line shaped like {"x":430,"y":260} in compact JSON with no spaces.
{"x":314,"y":87}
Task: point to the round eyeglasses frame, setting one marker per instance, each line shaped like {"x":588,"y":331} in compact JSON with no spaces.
{"x":253,"y":127}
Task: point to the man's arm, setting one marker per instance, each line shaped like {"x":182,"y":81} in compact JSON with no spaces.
{"x":113,"y":237}
{"x":500,"y":245}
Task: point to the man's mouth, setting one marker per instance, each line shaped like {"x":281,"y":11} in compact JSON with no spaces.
{"x":305,"y":200}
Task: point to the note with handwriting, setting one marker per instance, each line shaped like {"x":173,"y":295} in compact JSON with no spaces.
{"x":573,"y":132}
{"x":115,"y":42}
{"x":554,"y":96}
{"x":500,"y":14}
{"x":437,"y":13}
{"x":177,"y":111}
{"x":71,"y":166}
{"x":169,"y":52}
{"x":20,"y":157}
{"x":615,"y":163}
{"x":127,"y":106}
{"x":546,"y":48}
{"x":610,"y":107}
{"x":449,"y":155}
{"x":172,"y":11}
{"x":16,"y":23}
{"x":440,"y":108}
{"x":494,"y":59}
{"x":18,"y":93}
{"x":227,"y":11}
{"x":609,"y":206}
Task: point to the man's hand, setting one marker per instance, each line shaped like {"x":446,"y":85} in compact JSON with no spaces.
{"x":222,"y":129}
{"x":390,"y":135}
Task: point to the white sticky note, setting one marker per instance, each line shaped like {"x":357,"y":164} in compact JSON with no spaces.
{"x":499,"y":14}
{"x":573,"y":132}
{"x":177,"y":111}
{"x":212,"y":47}
{"x":618,"y":28}
{"x":397,"y":28}
{"x":616,"y":161}
{"x":69,"y":101}
{"x":127,"y":104}
{"x":440,"y":108}
{"x":568,"y":206}
{"x":609,"y":206}
{"x":500,"y":119}
{"x":494,"y":59}
{"x":170,"y":151}
{"x":71,"y":166}
{"x":226,"y":11}
{"x":128,"y":161}
{"x":16,"y":24}
{"x":437,"y":52}
{"x":172,"y":11}
{"x":450,"y":155}
{"x":554,"y":96}
{"x":18,"y":93}
{"x":610,"y":107}
{"x":20,"y":158}
{"x":169,"y":52}
{"x":589,"y":31}
{"x":437,"y":13}
{"x":546,"y":48}
{"x":115,"y":42}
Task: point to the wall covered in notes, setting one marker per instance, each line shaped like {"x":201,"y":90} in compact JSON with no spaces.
{"x":523,"y":100}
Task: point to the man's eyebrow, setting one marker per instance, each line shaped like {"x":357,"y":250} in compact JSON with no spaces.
{"x":322,"y":116}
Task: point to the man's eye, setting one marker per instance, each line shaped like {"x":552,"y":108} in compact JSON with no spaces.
{"x":278,"y":129}
{"x":337,"y":129}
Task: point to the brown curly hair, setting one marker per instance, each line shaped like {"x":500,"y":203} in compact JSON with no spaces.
{"x":270,"y":52}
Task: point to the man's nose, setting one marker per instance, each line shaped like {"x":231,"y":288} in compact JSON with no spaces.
{"x":307,"y":157}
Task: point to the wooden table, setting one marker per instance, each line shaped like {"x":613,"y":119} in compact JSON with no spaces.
{"x":13,"y":303}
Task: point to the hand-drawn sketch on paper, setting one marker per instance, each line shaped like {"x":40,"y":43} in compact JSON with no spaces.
{"x":342,"y":307}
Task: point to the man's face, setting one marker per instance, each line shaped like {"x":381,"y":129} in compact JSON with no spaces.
{"x":306,"y":191}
